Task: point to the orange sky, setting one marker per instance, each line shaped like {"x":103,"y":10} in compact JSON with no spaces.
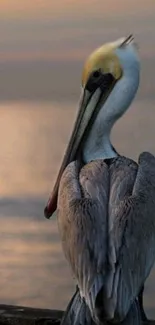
{"x":70,"y":29}
{"x":62,"y":34}
{"x":39,"y":8}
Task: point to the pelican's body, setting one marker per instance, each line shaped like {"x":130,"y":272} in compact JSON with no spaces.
{"x":106,"y":202}
{"x":107,"y":225}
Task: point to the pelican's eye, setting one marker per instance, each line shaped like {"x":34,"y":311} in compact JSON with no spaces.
{"x":96,"y":74}
{"x":98,"y":79}
{"x":94,"y":80}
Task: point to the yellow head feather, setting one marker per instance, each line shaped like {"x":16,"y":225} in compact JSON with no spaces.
{"x":105,"y":59}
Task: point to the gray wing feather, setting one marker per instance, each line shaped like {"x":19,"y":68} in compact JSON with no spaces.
{"x":77,"y":312}
{"x":83,"y":198}
{"x":133,"y":237}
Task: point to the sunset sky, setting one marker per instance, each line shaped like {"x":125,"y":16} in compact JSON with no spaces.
{"x":49,"y":38}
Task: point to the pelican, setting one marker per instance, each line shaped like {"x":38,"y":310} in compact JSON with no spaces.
{"x":105,"y":201}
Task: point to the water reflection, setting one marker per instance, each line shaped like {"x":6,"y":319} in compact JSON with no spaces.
{"x":32,"y":140}
{"x":32,"y":264}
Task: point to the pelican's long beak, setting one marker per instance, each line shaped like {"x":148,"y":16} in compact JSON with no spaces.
{"x":101,"y":72}
{"x":94,"y":96}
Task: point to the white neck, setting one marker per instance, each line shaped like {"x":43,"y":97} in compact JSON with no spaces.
{"x":98,"y":145}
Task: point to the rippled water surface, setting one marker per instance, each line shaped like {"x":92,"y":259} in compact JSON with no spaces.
{"x":32,"y":140}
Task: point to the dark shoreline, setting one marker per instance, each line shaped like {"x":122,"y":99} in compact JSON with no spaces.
{"x":19,"y":315}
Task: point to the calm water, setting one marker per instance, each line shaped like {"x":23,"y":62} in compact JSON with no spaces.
{"x":32,"y":140}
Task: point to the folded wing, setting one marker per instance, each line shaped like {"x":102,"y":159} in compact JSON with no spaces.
{"x":131,"y":233}
{"x":82,"y":219}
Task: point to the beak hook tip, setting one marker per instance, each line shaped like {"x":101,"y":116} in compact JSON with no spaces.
{"x":46,"y":213}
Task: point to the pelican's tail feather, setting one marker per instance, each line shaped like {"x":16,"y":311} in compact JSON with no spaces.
{"x":133,"y":317}
{"x":77,"y":312}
